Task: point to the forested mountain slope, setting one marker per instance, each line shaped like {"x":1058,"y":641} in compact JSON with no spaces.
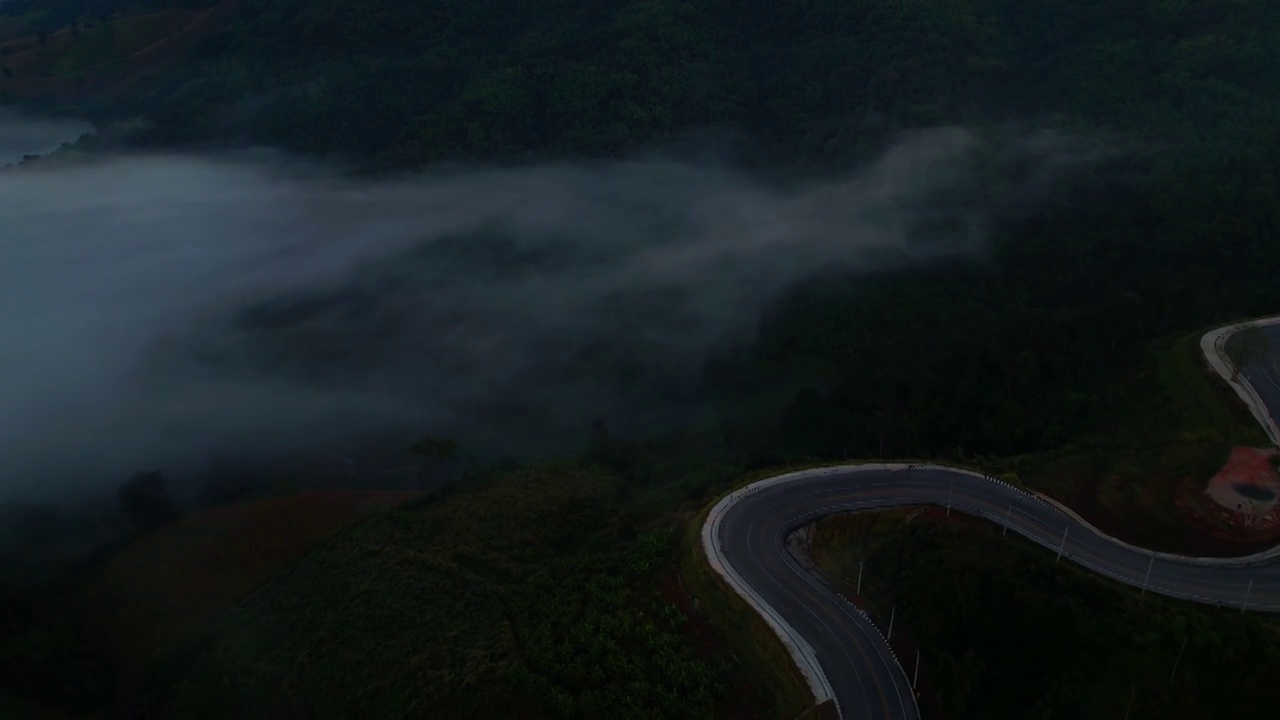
{"x":822,"y":80}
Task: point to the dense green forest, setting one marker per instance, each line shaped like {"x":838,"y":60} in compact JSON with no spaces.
{"x":808,"y":82}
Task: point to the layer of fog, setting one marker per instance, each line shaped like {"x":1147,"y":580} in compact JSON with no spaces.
{"x":22,"y":135}
{"x":157,"y":310}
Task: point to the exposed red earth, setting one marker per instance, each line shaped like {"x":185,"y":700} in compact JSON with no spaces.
{"x":1240,"y":501}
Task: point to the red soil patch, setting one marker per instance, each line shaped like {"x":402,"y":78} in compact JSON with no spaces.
{"x":1220,"y":510}
{"x":172,"y":583}
{"x":1192,"y":530}
{"x":1246,"y":468}
{"x":743,"y":701}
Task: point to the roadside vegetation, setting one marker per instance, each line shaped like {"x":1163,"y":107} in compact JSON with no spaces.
{"x":1004,"y":631}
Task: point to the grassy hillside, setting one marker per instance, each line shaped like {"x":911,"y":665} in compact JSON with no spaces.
{"x":1003,"y":631}
{"x":98,"y":56}
{"x":533,"y":596}
{"x":170,"y":584}
{"x":75,"y":633}
{"x":12,"y":28}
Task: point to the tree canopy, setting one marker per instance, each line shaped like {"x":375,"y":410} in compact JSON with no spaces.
{"x":818,"y":82}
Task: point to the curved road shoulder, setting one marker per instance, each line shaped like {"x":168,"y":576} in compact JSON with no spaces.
{"x":1214,"y":346}
{"x":801,"y":651}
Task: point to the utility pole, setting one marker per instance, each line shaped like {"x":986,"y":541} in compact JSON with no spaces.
{"x":1063,"y":546}
{"x":1148,"y":576}
{"x":1245,"y":603}
{"x":859,"y":578}
{"x":916,"y":675}
{"x":892,"y":612}
{"x":950,"y":489}
{"x":1007,"y":513}
{"x":1178,"y":659}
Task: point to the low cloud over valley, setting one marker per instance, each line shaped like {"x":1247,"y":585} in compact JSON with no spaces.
{"x":158,"y":310}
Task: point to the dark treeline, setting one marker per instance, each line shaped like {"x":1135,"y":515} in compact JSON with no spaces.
{"x":808,"y":82}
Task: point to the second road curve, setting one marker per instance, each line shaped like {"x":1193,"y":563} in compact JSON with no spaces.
{"x":843,"y":656}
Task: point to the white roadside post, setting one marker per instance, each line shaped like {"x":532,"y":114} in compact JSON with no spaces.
{"x":950,"y":489}
{"x":859,"y":578}
{"x":1148,"y":575}
{"x":1063,"y":546}
{"x":1178,"y":659}
{"x":1244,"y":604}
{"x":1007,"y":513}
{"x":916,"y":675}
{"x":892,"y":612}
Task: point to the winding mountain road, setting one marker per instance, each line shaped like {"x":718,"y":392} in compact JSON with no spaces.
{"x":842,"y":654}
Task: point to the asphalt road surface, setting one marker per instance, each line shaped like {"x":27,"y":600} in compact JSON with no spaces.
{"x":865,"y":678}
